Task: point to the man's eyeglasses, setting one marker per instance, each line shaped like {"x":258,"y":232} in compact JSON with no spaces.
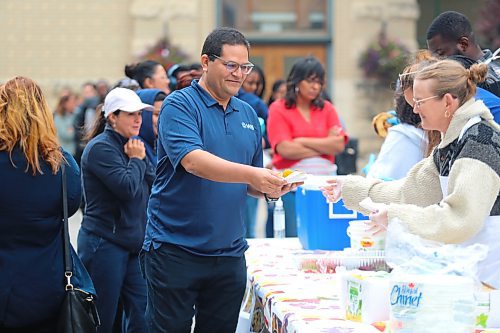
{"x":418,"y":102}
{"x":232,"y":66}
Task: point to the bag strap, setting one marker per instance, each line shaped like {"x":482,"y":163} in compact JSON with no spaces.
{"x":68,"y":264}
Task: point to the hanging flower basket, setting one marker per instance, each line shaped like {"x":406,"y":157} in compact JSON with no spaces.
{"x":165,"y":53}
{"x":384,"y":60}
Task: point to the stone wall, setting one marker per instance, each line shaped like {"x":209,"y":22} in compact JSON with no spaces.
{"x":356,"y":24}
{"x":67,"y":42}
{"x":61,"y":43}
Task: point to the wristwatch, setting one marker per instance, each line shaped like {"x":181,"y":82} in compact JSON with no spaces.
{"x":268,"y":199}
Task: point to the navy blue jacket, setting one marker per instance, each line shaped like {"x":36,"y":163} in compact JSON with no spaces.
{"x":146,"y":133}
{"x":259,"y":107}
{"x":255,"y":102}
{"x":116,"y":191}
{"x":31,"y":247}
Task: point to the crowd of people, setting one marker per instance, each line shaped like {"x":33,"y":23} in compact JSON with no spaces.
{"x":168,"y":166}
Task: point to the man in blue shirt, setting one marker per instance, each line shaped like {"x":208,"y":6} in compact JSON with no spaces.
{"x":209,"y":158}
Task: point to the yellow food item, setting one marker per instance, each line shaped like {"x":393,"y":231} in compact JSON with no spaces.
{"x":366,"y":242}
{"x":380,"y":124}
{"x":287,"y":172}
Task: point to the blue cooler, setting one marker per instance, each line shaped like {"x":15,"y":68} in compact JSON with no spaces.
{"x":322,"y":225}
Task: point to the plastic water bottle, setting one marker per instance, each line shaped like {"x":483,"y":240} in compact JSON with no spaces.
{"x":279,"y":219}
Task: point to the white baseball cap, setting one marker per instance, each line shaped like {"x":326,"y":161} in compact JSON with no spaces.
{"x":123,"y":99}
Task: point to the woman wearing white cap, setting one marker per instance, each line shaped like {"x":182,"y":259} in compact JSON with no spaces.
{"x":116,"y":180}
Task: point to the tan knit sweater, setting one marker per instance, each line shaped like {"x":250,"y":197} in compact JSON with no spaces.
{"x":417,"y":200}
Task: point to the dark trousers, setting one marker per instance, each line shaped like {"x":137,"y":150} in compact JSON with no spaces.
{"x":48,"y":326}
{"x":116,"y":275}
{"x":181,"y":285}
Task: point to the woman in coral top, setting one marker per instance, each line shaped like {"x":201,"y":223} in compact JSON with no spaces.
{"x":304,"y":129}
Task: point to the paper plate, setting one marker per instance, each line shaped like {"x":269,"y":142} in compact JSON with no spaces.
{"x":296,"y":177}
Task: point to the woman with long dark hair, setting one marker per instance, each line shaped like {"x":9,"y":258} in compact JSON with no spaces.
{"x":304,"y":129}
{"x":149,"y":74}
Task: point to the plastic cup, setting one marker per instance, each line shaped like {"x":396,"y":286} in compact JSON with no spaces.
{"x":362,"y":239}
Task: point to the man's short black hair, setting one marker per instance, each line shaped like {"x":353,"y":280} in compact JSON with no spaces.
{"x":220,"y":37}
{"x":451,"y":26}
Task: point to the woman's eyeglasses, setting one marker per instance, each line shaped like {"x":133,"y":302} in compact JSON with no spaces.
{"x":406,"y":79}
{"x":418,"y":102}
{"x":232,"y":66}
{"x":314,"y":80}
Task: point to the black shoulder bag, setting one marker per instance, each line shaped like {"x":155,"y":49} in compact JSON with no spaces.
{"x":78,"y":312}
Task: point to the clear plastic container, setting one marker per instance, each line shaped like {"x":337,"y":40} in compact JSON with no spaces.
{"x":329,"y":261}
{"x":362,"y":239}
{"x":279,"y":220}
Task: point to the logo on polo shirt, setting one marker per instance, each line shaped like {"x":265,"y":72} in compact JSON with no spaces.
{"x":248,"y":126}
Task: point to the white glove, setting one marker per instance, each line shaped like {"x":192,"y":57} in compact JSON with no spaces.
{"x":378,"y":215}
{"x":333,"y":191}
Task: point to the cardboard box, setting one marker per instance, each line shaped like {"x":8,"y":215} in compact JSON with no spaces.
{"x":365,"y":296}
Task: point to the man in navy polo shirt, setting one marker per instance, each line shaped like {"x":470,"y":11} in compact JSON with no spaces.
{"x":209,"y":158}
